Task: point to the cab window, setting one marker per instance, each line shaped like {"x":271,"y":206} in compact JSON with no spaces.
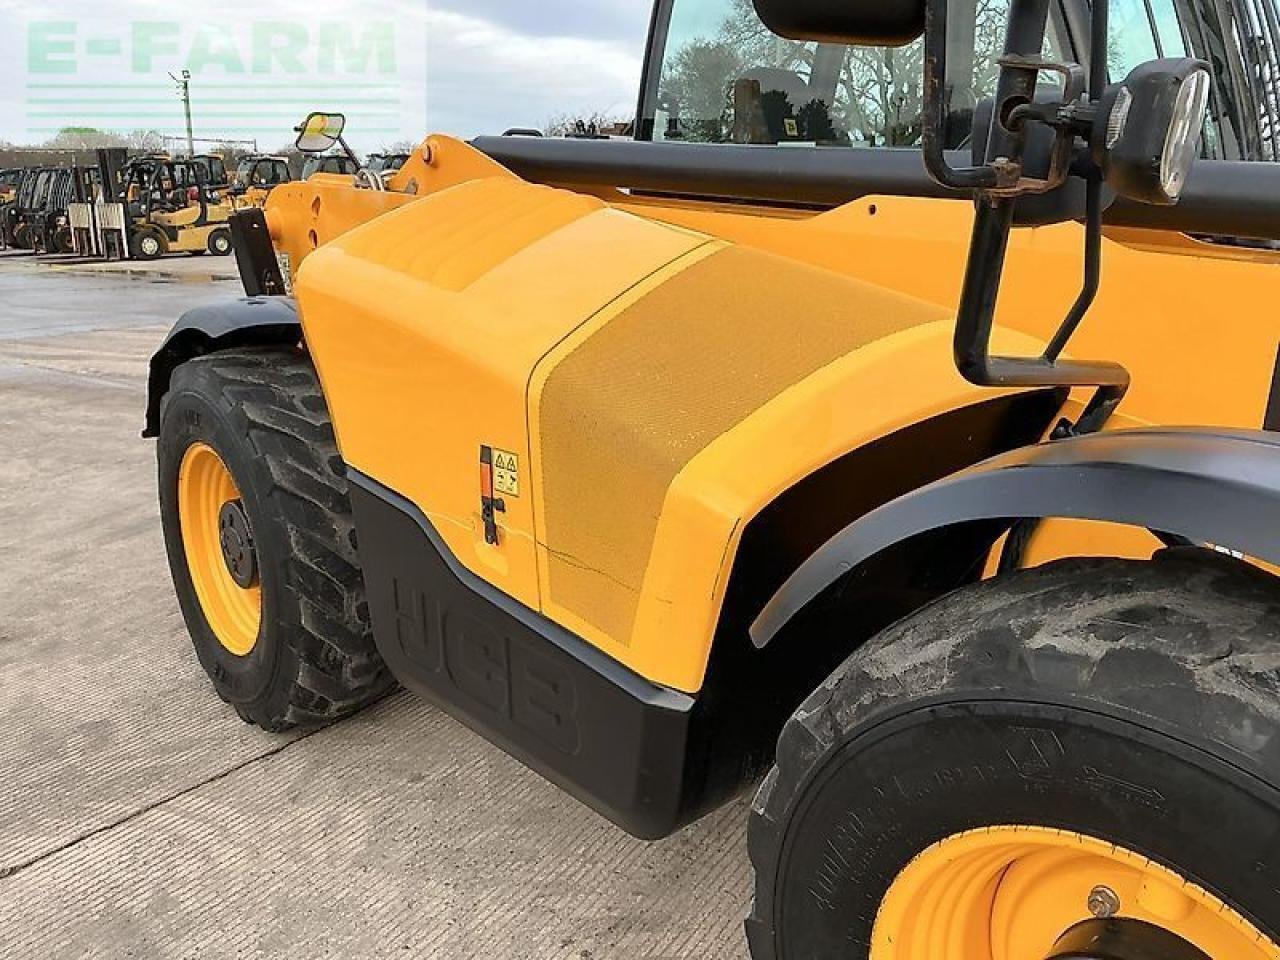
{"x":724,"y":77}
{"x":1238,"y":41}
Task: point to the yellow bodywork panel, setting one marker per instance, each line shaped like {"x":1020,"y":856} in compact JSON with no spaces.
{"x":625,"y":407}
{"x":641,"y":371}
{"x":653,"y":372}
{"x":426,"y":341}
{"x":1188,"y":319}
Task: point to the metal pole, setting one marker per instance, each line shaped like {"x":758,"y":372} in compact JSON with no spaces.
{"x":186,"y":106}
{"x":184,"y":89}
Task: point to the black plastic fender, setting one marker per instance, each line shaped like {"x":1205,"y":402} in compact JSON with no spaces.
{"x":1219,"y":487}
{"x":248,"y":322}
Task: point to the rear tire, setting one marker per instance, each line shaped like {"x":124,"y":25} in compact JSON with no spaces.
{"x":264,"y":415}
{"x":1134,"y":703}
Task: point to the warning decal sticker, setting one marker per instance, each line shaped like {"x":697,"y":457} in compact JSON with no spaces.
{"x":506,"y":473}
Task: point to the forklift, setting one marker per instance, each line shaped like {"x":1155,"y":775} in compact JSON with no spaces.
{"x":255,"y":177}
{"x":48,"y":229}
{"x":932,"y":490}
{"x":332,"y":163}
{"x":172,"y":209}
{"x":9,"y":180}
{"x":31,"y":206}
{"x":386,"y":163}
{"x":15,"y":184}
{"x":213,"y":170}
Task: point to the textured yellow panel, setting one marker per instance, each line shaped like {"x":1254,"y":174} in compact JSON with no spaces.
{"x":623,"y":413}
{"x":474,"y":227}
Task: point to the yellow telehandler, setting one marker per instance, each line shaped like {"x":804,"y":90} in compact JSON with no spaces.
{"x":769,"y":447}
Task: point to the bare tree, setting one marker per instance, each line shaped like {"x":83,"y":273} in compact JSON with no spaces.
{"x":698,"y":82}
{"x":583,"y":123}
{"x":91,"y":138}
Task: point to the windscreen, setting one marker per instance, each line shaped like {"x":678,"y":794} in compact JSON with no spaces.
{"x":1239,"y":39}
{"x":725,"y":78}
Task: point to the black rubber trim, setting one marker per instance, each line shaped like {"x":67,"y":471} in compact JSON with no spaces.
{"x":603,"y":733}
{"x":255,"y":254}
{"x":1271,"y":420}
{"x":590,"y":657}
{"x":1220,"y":487}
{"x":250,"y":322}
{"x":1227,"y":198}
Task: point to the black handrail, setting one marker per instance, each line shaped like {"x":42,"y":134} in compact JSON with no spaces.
{"x":1222,"y":197}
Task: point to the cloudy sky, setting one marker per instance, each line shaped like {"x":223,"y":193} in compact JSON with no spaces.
{"x":397,"y":67}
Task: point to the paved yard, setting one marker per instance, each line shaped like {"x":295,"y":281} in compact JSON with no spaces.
{"x":140,"y":818}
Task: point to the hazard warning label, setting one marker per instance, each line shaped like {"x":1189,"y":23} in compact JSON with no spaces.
{"x":506,"y":473}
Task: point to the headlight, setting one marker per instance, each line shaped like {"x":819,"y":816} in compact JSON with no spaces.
{"x":1183,"y":141}
{"x":1147,"y":131}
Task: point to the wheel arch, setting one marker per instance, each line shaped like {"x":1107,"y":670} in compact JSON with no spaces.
{"x":1209,"y":486}
{"x":248,"y":322}
{"x":747,"y":694}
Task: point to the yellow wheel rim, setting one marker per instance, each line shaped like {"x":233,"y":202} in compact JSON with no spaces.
{"x":1009,"y":893}
{"x":233,"y":612}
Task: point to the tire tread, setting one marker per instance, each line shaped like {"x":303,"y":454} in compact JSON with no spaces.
{"x":276,"y":398}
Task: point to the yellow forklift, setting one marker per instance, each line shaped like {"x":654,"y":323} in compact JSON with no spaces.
{"x":336,"y":164}
{"x":255,"y":177}
{"x":172,"y":210}
{"x":896,"y":419}
{"x":9,"y":180}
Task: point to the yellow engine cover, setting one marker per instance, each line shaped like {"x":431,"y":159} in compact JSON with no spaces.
{"x":647,"y":388}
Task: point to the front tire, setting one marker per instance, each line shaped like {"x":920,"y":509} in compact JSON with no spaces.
{"x":147,"y":243}
{"x":260,"y":540}
{"x":219,"y":242}
{"x":963,"y":785}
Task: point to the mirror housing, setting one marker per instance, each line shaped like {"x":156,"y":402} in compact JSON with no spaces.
{"x":876,"y":23}
{"x":319,"y":132}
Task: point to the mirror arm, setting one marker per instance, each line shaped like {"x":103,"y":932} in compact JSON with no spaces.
{"x":993,"y":224}
{"x":351,"y":154}
{"x":1092,"y":268}
{"x":935,"y":108}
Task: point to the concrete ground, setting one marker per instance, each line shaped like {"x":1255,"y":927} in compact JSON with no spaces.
{"x":173,"y":268}
{"x":140,"y":818}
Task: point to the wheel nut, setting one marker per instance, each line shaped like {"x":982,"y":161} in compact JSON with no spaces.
{"x":1103,"y":902}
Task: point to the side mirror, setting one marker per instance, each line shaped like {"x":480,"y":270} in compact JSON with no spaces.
{"x":319,"y":132}
{"x":875,"y":23}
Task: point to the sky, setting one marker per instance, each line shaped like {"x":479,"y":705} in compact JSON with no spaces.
{"x":397,"y":68}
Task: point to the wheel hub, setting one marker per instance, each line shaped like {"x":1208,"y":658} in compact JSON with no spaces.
{"x":237,"y":544}
{"x":1009,"y":893}
{"x":1123,"y":939}
{"x":219,"y":547}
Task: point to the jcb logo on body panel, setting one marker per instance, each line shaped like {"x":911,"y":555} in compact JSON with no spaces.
{"x":503,"y":676}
